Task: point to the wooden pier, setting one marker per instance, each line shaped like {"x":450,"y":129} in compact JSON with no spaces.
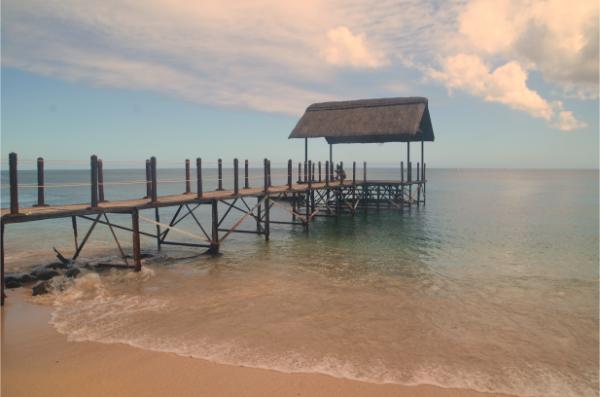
{"x":316,"y":189}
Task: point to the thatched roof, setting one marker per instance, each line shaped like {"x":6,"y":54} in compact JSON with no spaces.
{"x":367,"y":121}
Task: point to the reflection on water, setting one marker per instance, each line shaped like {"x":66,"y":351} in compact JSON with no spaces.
{"x":492,"y":286}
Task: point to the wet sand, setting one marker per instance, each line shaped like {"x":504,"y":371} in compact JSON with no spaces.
{"x":38,"y":361}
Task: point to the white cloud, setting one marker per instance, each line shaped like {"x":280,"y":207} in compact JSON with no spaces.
{"x":347,"y":49}
{"x":506,"y":84}
{"x":279,"y":56}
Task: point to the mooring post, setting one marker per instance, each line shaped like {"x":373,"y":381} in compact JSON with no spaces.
{"x":236,"y":188}
{"x":94,"y":176}
{"x":40,"y":182}
{"x":289,"y":175}
{"x":100,"y":181}
{"x":342,"y":175}
{"x":220,"y":174}
{"x":246,"y":179}
{"x":214,"y":244}
{"x":148,"y":180}
{"x":153,"y":177}
{"x":364,"y":171}
{"x":199,"y":177}
{"x":188,"y":181}
{"x":354,"y":172}
{"x":135,"y":226}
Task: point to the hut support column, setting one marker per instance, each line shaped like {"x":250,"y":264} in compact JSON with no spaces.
{"x":135,"y":225}
{"x":409,"y":173}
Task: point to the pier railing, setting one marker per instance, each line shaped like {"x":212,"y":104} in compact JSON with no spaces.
{"x":308,"y":173}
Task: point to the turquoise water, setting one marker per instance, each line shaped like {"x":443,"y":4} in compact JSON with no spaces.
{"x":493,"y":285}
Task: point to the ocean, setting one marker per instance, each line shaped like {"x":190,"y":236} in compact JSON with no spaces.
{"x":492,"y":285}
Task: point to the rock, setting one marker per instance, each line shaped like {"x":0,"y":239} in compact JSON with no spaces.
{"x":12,"y":283}
{"x":42,"y":273}
{"x":73,"y":272}
{"x":21,"y":278}
{"x":56,"y":265}
{"x":41,"y":288}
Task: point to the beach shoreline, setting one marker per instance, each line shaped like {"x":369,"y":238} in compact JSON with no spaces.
{"x":37,"y":360}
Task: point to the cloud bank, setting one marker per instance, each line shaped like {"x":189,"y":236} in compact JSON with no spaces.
{"x":277,"y":56}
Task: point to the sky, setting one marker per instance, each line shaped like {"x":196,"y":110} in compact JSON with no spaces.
{"x":511,"y":84}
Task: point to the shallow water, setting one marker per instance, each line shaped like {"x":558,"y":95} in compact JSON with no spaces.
{"x":493,"y":286}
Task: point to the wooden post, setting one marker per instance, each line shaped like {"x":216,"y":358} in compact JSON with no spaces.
{"x":312,"y":172}
{"x":153,"y":177}
{"x":14,"y":188}
{"x":299,"y":172}
{"x":309,"y":174}
{"x":188,"y":182}
{"x":2,"y":264}
{"x":100,"y":181}
{"x":269,"y":172}
{"x":199,"y":177}
{"x":289,"y":176}
{"x":94,"y":176}
{"x":424,"y":184}
{"x":365,"y":171}
{"x":158,"y":232}
{"x":135,"y":223}
{"x":258,"y":215}
{"x":306,"y":171}
{"x":148,"y":180}
{"x":40,"y":182}
{"x":220,"y":174}
{"x":419,"y":186}
{"x":341,"y":168}
{"x":246,"y":180}
{"x":266,"y":176}
{"x":402,"y":171}
{"x":327,"y":173}
{"x":319,"y":172}
{"x":267,"y":218}
{"x":422,"y":158}
{"x":214,"y":245}
{"x":236,"y":188}
{"x":354,"y":172}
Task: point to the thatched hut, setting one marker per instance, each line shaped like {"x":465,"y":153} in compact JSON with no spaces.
{"x":367,"y":121}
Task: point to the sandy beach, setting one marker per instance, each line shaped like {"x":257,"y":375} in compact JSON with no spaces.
{"x":38,"y":361}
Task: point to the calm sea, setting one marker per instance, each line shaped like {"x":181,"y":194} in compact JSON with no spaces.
{"x":492,"y":286}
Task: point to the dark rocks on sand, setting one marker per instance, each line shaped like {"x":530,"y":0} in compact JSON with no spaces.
{"x":41,"y":288}
{"x":73,"y":272}
{"x":57,"y":265}
{"x":16,"y":280}
{"x":43,"y":273}
{"x":12,"y":283}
